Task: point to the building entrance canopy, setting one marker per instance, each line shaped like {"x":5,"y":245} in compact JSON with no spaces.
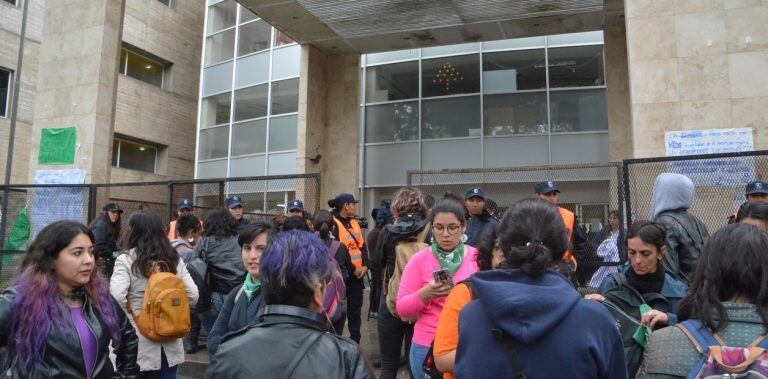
{"x":368,"y":26}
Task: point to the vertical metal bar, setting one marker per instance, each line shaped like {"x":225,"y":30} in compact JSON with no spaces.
{"x":627,"y":193}
{"x":14,"y":115}
{"x":549,"y":105}
{"x":92,"y":191}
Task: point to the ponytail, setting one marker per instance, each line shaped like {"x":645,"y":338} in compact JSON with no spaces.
{"x":323,"y":224}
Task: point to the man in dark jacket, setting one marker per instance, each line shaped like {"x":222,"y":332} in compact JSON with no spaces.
{"x":672,"y":196}
{"x":292,"y":340}
{"x":755,"y":192}
{"x":480,"y":221}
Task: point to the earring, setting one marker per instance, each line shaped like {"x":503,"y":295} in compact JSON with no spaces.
{"x":432,"y":239}
{"x":464,"y":238}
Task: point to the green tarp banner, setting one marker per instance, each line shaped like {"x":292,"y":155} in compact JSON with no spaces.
{"x":57,"y":146}
{"x":19,"y":235}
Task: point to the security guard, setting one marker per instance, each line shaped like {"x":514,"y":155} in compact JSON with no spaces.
{"x":548,"y":191}
{"x":185,"y":208}
{"x":756,"y":192}
{"x":350,"y":234}
{"x":480,"y":220}
{"x":235,"y":205}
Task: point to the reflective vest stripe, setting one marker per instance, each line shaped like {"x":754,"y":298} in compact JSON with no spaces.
{"x":352,"y":238}
{"x":568,"y":220}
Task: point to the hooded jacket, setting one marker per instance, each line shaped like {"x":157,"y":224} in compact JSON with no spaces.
{"x":383,"y":255}
{"x":556,"y":333}
{"x":225,"y":262}
{"x":672,"y":196}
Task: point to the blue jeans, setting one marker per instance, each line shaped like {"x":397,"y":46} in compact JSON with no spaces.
{"x":209,"y":318}
{"x":416,"y":360}
{"x":164,"y":372}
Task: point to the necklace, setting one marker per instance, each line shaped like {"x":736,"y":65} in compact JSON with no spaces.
{"x":76,"y":294}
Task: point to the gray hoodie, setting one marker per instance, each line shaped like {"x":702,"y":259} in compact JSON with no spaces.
{"x":670,"y":192}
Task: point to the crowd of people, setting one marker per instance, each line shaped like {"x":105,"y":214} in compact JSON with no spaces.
{"x":456,"y":291}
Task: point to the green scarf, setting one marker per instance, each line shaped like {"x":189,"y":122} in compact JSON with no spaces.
{"x":249,"y":287}
{"x":449,"y":260}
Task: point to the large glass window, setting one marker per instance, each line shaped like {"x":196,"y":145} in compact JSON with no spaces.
{"x":142,"y":68}
{"x":251,"y":102}
{"x":451,"y":117}
{"x":246,"y":15}
{"x":5,"y":91}
{"x":221,"y":16}
{"x":518,"y":70}
{"x":392,"y":122}
{"x":254,"y":36}
{"x":285,"y":96}
{"x":253,"y":69}
{"x":282,"y":132}
{"x":214,"y":143}
{"x":286,"y":62}
{"x":578,"y":66}
{"x":134,"y":155}
{"x":216,"y":110}
{"x":282,"y":39}
{"x":578,"y":111}
{"x":515,"y":113}
{"x":450,"y":75}
{"x":249,"y":137}
{"x":398,"y":81}
{"x":220,"y":47}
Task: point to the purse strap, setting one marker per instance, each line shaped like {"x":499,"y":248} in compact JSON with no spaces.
{"x":301,"y":353}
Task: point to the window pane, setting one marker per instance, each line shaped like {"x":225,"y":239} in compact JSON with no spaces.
{"x":210,"y":170}
{"x":249,"y":137}
{"x":251,"y":102}
{"x":452,"y":117}
{"x":248,"y":166}
{"x":578,"y":111}
{"x":5,"y":87}
{"x":286,"y":62}
{"x":282,"y":38}
{"x":390,"y":56}
{"x":519,"y":113}
{"x":282,"y":164}
{"x":282,"y":133}
{"x":576,"y":38}
{"x":115,"y":150}
{"x":214,"y":143}
{"x":397,"y":81}
{"x":215,"y":110}
{"x":451,"y":75}
{"x":428,"y":52}
{"x":146,"y":70}
{"x":254,"y":37}
{"x":137,"y":156}
{"x":246,"y":15}
{"x":217,"y":78}
{"x":392,"y":122}
{"x":253,"y":69}
{"x":166,"y":2}
{"x":221,"y":16}
{"x":580,"y":66}
{"x":220,"y":47}
{"x":514,"y":71}
{"x":285,"y":96}
{"x":123,"y":58}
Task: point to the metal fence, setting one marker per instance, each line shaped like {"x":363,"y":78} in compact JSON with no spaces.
{"x":591,"y":191}
{"x":719,"y":180}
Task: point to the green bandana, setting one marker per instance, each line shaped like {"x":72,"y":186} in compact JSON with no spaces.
{"x":449,"y":260}
{"x":249,"y":287}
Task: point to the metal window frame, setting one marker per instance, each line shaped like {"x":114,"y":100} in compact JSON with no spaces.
{"x":129,"y":52}
{"x":8,"y":91}
{"x":120,"y":151}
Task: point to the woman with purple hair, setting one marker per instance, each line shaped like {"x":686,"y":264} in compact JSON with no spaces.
{"x":292,"y":339}
{"x":59,"y":319}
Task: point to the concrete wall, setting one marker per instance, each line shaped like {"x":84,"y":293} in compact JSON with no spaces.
{"x":329,"y":120}
{"x":696,"y":65}
{"x":617,"y":93}
{"x":10,"y":28}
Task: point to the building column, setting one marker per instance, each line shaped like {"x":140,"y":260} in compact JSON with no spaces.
{"x":77,"y":81}
{"x":617,"y":93}
{"x":329,"y":121}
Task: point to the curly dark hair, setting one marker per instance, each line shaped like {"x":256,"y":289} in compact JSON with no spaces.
{"x":485,"y":249}
{"x":219,"y":223}
{"x":151,"y":245}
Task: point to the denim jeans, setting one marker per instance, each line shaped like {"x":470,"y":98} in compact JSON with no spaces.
{"x":393,"y":332}
{"x":209,"y":318}
{"x":164,"y":372}
{"x":416,"y":360}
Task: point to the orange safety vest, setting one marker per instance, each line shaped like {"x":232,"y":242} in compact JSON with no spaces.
{"x":568,"y":220}
{"x":172,"y":230}
{"x":352,"y":238}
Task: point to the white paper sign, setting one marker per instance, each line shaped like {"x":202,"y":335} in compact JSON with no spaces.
{"x":712,"y":172}
{"x":59,"y":203}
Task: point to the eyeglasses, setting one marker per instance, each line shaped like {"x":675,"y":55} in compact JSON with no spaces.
{"x":452,"y":229}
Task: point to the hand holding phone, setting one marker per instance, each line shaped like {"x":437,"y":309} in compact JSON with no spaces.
{"x":443,"y":276}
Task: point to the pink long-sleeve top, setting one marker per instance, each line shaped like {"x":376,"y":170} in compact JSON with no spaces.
{"x":417,"y":273}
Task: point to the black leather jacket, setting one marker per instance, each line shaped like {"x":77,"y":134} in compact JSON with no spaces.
{"x":268,"y":349}
{"x":105,"y":242}
{"x":63,"y":357}
{"x":225,"y":262}
{"x":686,"y":235}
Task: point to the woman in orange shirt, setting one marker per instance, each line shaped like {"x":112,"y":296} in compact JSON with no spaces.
{"x":489,"y":257}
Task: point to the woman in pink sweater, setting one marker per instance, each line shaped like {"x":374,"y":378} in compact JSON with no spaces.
{"x":419,"y":294}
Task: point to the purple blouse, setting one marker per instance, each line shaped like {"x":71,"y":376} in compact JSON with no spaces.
{"x":87,"y":339}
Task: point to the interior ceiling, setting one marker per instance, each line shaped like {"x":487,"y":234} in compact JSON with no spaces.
{"x":367,"y":26}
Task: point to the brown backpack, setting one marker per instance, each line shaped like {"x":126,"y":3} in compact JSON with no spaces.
{"x":165,"y":307}
{"x":404,"y":250}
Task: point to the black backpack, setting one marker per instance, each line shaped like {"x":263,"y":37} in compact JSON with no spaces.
{"x":623,"y":302}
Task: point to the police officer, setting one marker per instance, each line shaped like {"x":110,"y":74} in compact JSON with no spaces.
{"x":548,"y":191}
{"x":295,"y":208}
{"x":350,"y":234}
{"x":756,"y":192}
{"x":480,"y":220}
{"x":185,"y":208}
{"x":235,"y":205}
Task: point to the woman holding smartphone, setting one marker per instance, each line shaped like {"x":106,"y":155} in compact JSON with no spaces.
{"x":431,"y":273}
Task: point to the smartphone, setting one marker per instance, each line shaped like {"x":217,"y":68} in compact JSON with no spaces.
{"x":442,"y":275}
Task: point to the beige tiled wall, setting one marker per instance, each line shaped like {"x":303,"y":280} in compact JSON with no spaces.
{"x":696,"y":64}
